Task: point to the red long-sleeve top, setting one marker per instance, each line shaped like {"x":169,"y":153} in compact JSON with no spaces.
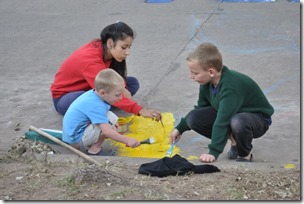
{"x":78,"y":71}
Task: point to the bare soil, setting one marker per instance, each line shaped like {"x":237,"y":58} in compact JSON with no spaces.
{"x":24,"y":177}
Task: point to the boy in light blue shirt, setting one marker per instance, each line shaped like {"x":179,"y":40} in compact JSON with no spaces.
{"x":88,"y":121}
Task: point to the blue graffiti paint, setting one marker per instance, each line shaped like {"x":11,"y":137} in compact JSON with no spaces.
{"x":280,"y":82}
{"x":246,"y":1}
{"x":158,"y":1}
{"x":191,"y":141}
{"x":196,"y":139}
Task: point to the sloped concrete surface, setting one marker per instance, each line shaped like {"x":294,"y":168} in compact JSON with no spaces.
{"x":261,"y":40}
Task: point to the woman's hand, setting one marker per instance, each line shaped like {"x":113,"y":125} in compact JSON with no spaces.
{"x":151,"y":113}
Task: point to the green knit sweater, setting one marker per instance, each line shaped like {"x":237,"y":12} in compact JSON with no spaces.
{"x":236,"y":93}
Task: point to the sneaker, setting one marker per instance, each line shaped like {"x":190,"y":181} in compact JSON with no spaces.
{"x":100,"y":153}
{"x":232,"y":153}
{"x":243,"y":159}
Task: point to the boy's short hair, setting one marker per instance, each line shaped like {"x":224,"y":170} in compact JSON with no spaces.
{"x":107,"y":79}
{"x":208,"y":56}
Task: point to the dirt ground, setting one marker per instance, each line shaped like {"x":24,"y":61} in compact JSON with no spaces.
{"x":27,"y":174}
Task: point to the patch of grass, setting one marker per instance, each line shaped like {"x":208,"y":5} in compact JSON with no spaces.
{"x":237,"y":194}
{"x":152,"y":195}
{"x":36,"y":185}
{"x":70,"y":183}
{"x":118,"y":195}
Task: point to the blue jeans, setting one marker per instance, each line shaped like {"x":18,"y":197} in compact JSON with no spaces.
{"x":62,"y":104}
{"x":244,"y":126}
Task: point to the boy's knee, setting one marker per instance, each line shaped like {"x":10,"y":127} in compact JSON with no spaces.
{"x":90,"y":136}
{"x":237,"y":123}
{"x":191,"y":117}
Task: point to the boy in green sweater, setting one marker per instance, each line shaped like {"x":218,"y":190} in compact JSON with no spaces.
{"x":231,"y":106}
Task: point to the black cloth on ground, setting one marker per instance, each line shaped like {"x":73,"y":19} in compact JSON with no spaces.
{"x":172,"y":166}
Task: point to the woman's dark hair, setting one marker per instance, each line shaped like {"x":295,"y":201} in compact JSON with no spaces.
{"x":116,"y":31}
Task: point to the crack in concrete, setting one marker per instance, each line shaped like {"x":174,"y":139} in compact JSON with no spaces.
{"x":173,"y":64}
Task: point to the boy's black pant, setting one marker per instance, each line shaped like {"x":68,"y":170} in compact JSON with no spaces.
{"x":244,"y":126}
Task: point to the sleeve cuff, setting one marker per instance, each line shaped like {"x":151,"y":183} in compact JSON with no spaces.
{"x":182,"y":126}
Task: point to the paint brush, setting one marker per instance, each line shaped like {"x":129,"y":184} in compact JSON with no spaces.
{"x":161,"y":121}
{"x":164,"y":133}
{"x":170,"y":150}
{"x":150,"y":140}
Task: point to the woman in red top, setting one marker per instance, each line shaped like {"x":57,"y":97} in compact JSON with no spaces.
{"x":77,"y":73}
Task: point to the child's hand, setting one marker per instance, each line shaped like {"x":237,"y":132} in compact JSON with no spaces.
{"x":175,"y":136}
{"x":208,"y":158}
{"x":132,"y":142}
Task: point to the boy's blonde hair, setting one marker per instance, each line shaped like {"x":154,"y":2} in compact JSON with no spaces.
{"x":108,"y":79}
{"x":208,"y":56}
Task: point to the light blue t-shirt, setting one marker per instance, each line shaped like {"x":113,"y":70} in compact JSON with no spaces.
{"x":87,"y":109}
